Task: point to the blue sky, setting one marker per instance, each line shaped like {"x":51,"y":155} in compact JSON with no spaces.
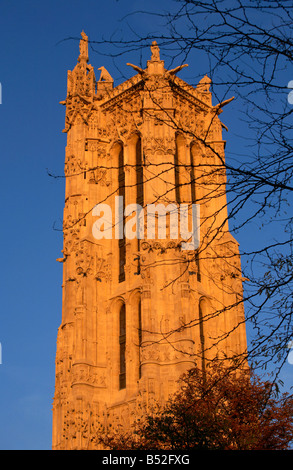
{"x":34,"y":61}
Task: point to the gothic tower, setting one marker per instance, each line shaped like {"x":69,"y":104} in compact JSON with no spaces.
{"x":143,"y":301}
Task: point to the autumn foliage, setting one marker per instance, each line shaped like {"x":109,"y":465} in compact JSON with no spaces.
{"x":215,"y":409}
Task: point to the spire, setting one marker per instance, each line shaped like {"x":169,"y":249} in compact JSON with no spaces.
{"x":81,"y":87}
{"x":83,"y":48}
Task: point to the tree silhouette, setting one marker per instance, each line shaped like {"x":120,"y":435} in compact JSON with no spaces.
{"x":213,"y":410}
{"x":247,"y":46}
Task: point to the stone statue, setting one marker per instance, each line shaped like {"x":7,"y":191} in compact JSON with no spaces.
{"x":83,"y":47}
{"x":155,"y":51}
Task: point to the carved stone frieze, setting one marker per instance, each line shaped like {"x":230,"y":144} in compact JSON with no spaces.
{"x":103,"y":270}
{"x":84,"y":259}
{"x":98,"y":146}
{"x":102,"y":176}
{"x":87,"y":374}
{"x":164,"y":353}
{"x":159,"y":247}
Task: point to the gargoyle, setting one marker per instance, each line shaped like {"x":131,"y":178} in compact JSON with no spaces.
{"x":136,"y":68}
{"x":105,"y":76}
{"x":177,"y":69}
{"x":221,"y":105}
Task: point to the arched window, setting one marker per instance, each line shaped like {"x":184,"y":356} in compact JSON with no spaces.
{"x":139,"y":186}
{"x":196,"y":256}
{"x":122,"y":243}
{"x":176,"y":170}
{"x":139,"y":173}
{"x":193,"y":149}
{"x":139,"y":339}
{"x":122,"y":347}
{"x":202,"y":313}
{"x":192,"y":173}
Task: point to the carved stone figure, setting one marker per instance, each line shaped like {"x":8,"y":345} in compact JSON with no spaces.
{"x":83,"y":48}
{"x":105,"y":76}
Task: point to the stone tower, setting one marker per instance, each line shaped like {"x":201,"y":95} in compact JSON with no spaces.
{"x":139,"y":310}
